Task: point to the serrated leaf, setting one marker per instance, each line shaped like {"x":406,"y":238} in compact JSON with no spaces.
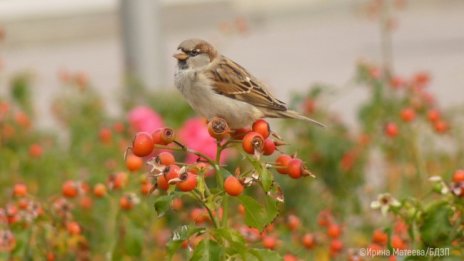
{"x":256,"y":214}
{"x":436,"y":228}
{"x":208,"y":250}
{"x":162,"y":204}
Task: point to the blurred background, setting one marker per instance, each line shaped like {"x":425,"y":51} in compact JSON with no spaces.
{"x":288,"y":44}
{"x":79,"y":79}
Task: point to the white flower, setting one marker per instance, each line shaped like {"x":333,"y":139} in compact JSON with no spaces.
{"x":435,"y":179}
{"x":384,"y":202}
{"x":443,"y":187}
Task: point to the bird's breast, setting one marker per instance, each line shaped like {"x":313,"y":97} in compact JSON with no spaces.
{"x":199,"y":93}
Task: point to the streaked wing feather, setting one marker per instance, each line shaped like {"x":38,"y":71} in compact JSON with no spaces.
{"x":232,"y":80}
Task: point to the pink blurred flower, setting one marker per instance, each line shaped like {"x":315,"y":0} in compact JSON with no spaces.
{"x":194,"y":134}
{"x":145,"y":119}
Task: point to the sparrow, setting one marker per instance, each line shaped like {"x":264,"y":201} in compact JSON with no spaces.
{"x":216,"y":86}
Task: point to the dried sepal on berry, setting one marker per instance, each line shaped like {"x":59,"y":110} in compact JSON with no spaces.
{"x":218,"y":128}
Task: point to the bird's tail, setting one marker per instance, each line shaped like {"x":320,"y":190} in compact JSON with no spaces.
{"x":292,"y":115}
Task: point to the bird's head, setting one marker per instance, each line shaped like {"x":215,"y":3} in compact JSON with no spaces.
{"x":194,"y":54}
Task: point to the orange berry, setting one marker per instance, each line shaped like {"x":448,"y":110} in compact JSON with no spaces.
{"x":269,"y":242}
{"x":334,"y":231}
{"x":86,"y":202}
{"x":146,"y":188}
{"x":118,"y":180}
{"x":295,"y":168}
{"x":391,"y":130}
{"x":171,"y":173}
{"x":408,"y":114}
{"x":73,"y":228}
{"x":290,"y":257}
{"x":35,"y":151}
{"x":253,"y":141}
{"x":336,"y":246}
{"x":458,"y":175}
{"x":232,"y":186}
{"x":99,"y":190}
{"x":19,"y":190}
{"x":375,"y":247}
{"x":126,"y":203}
{"x":51,"y":256}
{"x":421,"y":79}
{"x":308,"y":240}
{"x":269,"y":147}
{"x":309,"y":106}
{"x":69,"y":189}
{"x":218,"y":128}
{"x":165,"y":158}
{"x":133,"y":163}
{"x":198,"y":215}
{"x":142,"y":145}
{"x":22,"y":119}
{"x":324,"y":219}
{"x":241,"y":209}
{"x":105,"y":135}
{"x":433,"y":115}
{"x":188,"y":184}
{"x":440,"y":126}
{"x":177,"y":204}
{"x":163,"y":136}
{"x":282,"y":163}
{"x":379,"y":237}
{"x":262,"y":127}
{"x":118,"y":127}
{"x":397,"y":242}
{"x":293,"y":222}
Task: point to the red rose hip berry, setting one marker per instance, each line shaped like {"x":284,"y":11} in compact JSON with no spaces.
{"x":232,"y":186}
{"x":269,"y":147}
{"x":142,"y":145}
{"x":189,"y":183}
{"x":262,"y":127}
{"x":282,"y":163}
{"x":252,"y":142}
{"x":408,"y":114}
{"x":295,"y":168}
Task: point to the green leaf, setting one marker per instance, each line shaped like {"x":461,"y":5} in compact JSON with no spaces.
{"x":257,"y":215}
{"x":208,"y":250}
{"x":436,"y":228}
{"x":236,"y":242}
{"x":266,"y":178}
{"x":180,"y":235}
{"x":263,"y":255}
{"x":162,"y":204}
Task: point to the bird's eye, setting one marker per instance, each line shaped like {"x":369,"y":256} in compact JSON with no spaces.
{"x":193,"y":53}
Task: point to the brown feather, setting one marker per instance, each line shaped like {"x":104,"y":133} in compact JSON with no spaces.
{"x":237,"y":83}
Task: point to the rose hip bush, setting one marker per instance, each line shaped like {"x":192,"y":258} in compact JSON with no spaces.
{"x":108,"y":188}
{"x":215,"y":189}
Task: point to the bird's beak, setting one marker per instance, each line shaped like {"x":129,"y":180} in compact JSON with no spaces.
{"x":180,"y":56}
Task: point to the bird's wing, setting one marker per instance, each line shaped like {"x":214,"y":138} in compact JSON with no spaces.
{"x":232,"y":80}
